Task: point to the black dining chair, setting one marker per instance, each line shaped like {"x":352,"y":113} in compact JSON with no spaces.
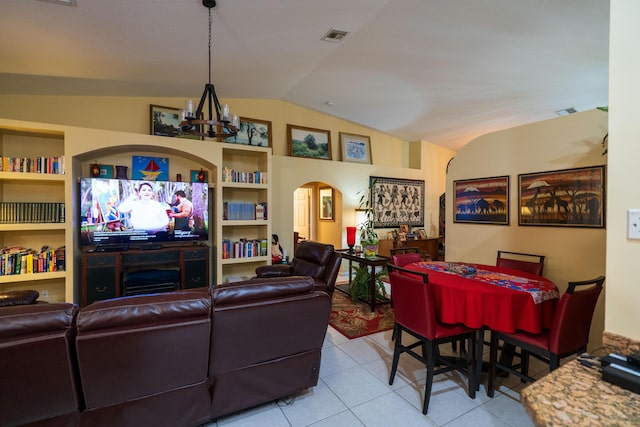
{"x":529,"y":263}
{"x":415,"y":313}
{"x":569,"y":333}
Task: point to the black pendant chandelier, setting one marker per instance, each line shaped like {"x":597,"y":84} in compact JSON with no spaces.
{"x":194,"y":122}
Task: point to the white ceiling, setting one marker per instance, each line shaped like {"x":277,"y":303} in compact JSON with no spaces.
{"x":443,"y":71}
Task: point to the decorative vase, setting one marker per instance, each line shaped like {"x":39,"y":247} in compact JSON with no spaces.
{"x":121,"y":172}
{"x":370,"y":248}
{"x":94,"y":170}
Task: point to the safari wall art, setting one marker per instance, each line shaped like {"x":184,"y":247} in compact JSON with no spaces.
{"x":482,"y":200}
{"x":569,"y":197}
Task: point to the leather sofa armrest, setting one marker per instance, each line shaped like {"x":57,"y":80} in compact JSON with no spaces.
{"x":277,"y":270}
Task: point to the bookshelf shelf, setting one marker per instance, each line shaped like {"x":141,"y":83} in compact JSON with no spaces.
{"x":246,"y":260}
{"x":28,"y":176}
{"x":33,"y":226}
{"x":16,"y":278}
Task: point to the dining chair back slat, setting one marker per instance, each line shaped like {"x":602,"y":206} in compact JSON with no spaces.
{"x":529,"y":263}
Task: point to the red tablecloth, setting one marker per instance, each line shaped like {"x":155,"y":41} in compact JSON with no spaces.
{"x":477,"y":303}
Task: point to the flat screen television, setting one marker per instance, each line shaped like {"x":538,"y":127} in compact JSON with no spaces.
{"x":124,"y":211}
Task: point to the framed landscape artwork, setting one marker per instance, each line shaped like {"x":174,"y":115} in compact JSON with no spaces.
{"x":568,"y":197}
{"x":165,"y":121}
{"x":482,"y":200}
{"x":397,"y":201}
{"x":309,"y":142}
{"x":252,"y":132}
{"x":355,"y":148}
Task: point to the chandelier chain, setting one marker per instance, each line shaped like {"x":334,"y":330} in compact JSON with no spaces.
{"x":210,"y":26}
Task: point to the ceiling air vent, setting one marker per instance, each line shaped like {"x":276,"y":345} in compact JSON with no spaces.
{"x":334,"y":35}
{"x":62,"y":2}
{"x":566,"y":111}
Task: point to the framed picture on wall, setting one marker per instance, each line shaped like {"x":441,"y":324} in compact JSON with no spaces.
{"x":397,"y":201}
{"x":309,"y":142}
{"x":252,"y":132}
{"x":482,"y":200}
{"x":326,"y":204}
{"x":566,"y":198}
{"x":355,"y":148}
{"x":165,"y":121}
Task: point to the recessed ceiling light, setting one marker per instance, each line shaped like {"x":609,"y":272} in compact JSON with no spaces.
{"x":334,"y":35}
{"x":62,"y":2}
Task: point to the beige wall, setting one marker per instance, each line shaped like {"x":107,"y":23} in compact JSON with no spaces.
{"x":623,"y":288}
{"x":391,"y":157}
{"x":561,"y":143}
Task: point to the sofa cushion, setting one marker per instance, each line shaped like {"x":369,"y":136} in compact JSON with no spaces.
{"x":20,"y":297}
{"x":136,"y":347}
{"x":37,"y":372}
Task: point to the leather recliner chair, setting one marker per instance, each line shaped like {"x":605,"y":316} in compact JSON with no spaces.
{"x":317,"y":260}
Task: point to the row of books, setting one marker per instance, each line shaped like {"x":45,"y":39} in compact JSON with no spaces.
{"x":230,"y":175}
{"x":31,"y":212}
{"x":53,"y":164}
{"x":235,"y":210}
{"x":18,"y":260}
{"x":244,"y":248}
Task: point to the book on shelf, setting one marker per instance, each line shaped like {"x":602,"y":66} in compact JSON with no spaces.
{"x":255,"y":177}
{"x":49,"y":165}
{"x":19,"y":260}
{"x":31,"y":212}
{"x":243,"y":248}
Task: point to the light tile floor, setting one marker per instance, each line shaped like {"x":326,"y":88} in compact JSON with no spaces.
{"x":354,"y":390}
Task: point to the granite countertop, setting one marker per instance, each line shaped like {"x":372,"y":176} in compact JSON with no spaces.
{"x":574,"y":395}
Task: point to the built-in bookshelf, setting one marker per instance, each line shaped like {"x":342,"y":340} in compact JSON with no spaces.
{"x":33,"y":222}
{"x":245,"y":232}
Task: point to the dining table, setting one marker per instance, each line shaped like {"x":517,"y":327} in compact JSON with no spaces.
{"x":490,"y":297}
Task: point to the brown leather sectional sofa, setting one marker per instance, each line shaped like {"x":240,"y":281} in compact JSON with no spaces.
{"x":172,"y":359}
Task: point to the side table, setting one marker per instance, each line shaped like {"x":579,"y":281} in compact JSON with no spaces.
{"x":372,"y":262}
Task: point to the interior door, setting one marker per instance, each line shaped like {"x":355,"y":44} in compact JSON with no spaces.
{"x":301,"y":212}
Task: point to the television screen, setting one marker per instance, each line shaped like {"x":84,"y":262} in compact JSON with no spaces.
{"x":123,"y":211}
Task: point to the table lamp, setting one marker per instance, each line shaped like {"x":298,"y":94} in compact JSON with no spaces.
{"x":351,"y":238}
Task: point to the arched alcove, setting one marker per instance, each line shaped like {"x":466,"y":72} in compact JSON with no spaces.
{"x":317,"y":213}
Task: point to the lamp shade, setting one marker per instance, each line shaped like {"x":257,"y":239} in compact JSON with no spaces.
{"x":351,"y":236}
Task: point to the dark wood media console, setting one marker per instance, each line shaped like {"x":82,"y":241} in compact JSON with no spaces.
{"x":104,"y":273}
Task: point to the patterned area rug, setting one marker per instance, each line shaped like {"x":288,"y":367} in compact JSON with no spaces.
{"x":357,"y":320}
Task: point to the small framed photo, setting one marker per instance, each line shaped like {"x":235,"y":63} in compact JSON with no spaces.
{"x":309,"y":142}
{"x":106,"y":171}
{"x":422,"y":234}
{"x":404,"y":228}
{"x":355,"y":148}
{"x":165,"y":121}
{"x":194,"y":176}
{"x":252,"y":132}
{"x":326,"y":204}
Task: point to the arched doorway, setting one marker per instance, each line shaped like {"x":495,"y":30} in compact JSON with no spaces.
{"x":317,"y":213}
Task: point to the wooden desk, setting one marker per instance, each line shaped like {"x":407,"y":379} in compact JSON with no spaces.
{"x":428,"y":245}
{"x":372,"y":262}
